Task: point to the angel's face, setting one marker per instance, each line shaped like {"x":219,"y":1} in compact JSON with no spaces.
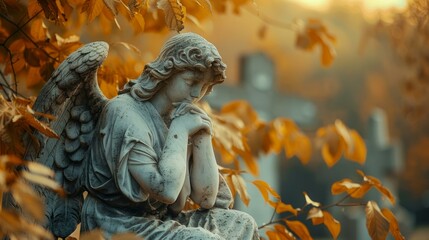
{"x":189,"y":86}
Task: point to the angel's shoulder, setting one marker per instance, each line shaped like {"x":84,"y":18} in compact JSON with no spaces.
{"x":124,"y":109}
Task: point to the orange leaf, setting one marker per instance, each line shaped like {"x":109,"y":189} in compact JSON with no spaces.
{"x":316,"y":216}
{"x":93,"y":8}
{"x":249,"y":160}
{"x":394,"y":226}
{"x":333,"y":145}
{"x":376,"y":223}
{"x":283,"y":233}
{"x":328,"y":55}
{"x":332,"y":224}
{"x":241,"y":188}
{"x":282,"y":207}
{"x":243,"y":110}
{"x":174,"y":13}
{"x":358,"y":153}
{"x":354,"y":189}
{"x":38,"y":30}
{"x":296,"y":143}
{"x":373,"y":181}
{"x":138,"y":23}
{"x":265,"y":190}
{"x":299,"y":229}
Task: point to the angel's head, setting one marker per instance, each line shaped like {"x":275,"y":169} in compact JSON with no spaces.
{"x":186,"y":52}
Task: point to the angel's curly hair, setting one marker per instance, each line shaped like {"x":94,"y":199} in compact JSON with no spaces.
{"x":186,"y":51}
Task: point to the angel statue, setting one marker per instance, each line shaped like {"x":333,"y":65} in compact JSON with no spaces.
{"x":141,"y":155}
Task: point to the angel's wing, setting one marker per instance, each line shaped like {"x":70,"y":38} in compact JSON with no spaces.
{"x":73,"y":96}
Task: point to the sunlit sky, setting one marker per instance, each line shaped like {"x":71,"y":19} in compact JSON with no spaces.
{"x":369,"y":5}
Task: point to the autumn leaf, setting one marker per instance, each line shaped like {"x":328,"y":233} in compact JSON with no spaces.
{"x":355,"y":145}
{"x":373,"y":181}
{"x":333,"y":146}
{"x":337,"y":140}
{"x":282,"y":207}
{"x":174,"y":13}
{"x":332,"y":224}
{"x":242,"y":110}
{"x":240,"y":188}
{"x":38,"y":30}
{"x":393,"y":223}
{"x":316,"y":216}
{"x":280,"y":232}
{"x":93,"y":8}
{"x":299,"y":229}
{"x":17,"y":118}
{"x":314,"y":33}
{"x":376,"y":223}
{"x":308,"y":201}
{"x":355,"y":190}
{"x":18,"y":227}
{"x":265,"y":190}
{"x":53,"y":10}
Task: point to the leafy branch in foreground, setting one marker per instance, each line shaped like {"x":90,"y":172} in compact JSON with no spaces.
{"x":379,"y":222}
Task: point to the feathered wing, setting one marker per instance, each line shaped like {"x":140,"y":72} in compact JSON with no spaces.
{"x":73,"y":96}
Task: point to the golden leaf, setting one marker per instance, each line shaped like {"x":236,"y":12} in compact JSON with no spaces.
{"x":373,"y":181}
{"x":315,"y":33}
{"x":376,"y":223}
{"x":333,"y":145}
{"x":299,"y":145}
{"x":333,"y":225}
{"x":316,"y":216}
{"x":53,"y":10}
{"x":33,"y":77}
{"x":299,"y":229}
{"x":240,"y":187}
{"x":138,"y":23}
{"x":38,"y":30}
{"x":111,"y":5}
{"x":249,"y":160}
{"x":265,"y":190}
{"x":93,"y":8}
{"x":358,"y":154}
{"x":308,"y":201}
{"x":42,"y":180}
{"x":282,"y":207}
{"x":282,"y":233}
{"x":354,"y":189}
{"x":355,"y":145}
{"x":40,"y":169}
{"x":394,"y":226}
{"x":243,"y":110}
{"x":15,"y":225}
{"x":174,"y":13}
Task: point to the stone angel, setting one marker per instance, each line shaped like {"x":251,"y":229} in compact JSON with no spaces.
{"x":141,"y":155}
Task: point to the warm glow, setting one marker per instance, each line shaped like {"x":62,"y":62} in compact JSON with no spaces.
{"x":369,"y":5}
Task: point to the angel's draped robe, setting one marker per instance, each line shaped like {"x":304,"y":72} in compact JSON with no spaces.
{"x":131,"y":133}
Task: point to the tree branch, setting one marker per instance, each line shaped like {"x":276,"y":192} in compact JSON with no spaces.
{"x":19,"y":29}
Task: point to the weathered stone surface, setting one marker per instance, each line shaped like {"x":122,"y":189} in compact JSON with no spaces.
{"x":142,"y":155}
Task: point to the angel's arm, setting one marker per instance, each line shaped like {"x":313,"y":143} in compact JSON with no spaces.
{"x":165,"y":179}
{"x":204,"y":171}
